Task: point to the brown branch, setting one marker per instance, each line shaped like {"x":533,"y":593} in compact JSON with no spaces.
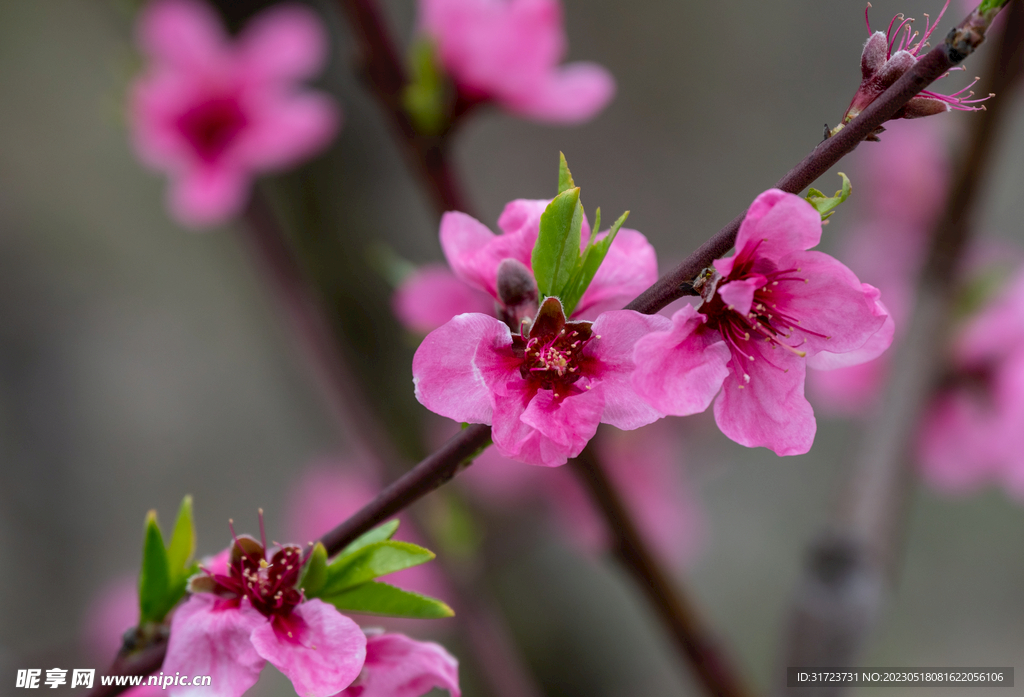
{"x":439,"y":467}
{"x":851,"y":566}
{"x":674,"y":608}
{"x":385,"y":72}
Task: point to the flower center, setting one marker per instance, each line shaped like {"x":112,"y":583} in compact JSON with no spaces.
{"x":210,"y":126}
{"x":552,"y":352}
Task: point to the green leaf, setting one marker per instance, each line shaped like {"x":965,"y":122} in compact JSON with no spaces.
{"x":366,"y":564}
{"x":989,"y":5}
{"x":314,"y":575}
{"x":384,"y":531}
{"x":183,"y":541}
{"x":377,"y":598}
{"x":426,"y":96}
{"x":557,"y":249}
{"x":565,"y":181}
{"x":593,"y":257}
{"x":154,"y":579}
{"x":826,"y":205}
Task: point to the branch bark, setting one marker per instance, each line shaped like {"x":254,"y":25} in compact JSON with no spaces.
{"x":427,"y":155}
{"x":673,"y":607}
{"x":851,"y":566}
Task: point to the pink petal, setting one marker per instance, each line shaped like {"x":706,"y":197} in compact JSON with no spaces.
{"x":739,"y":295}
{"x":185,"y":33}
{"x":522,"y":217}
{"x":565,"y":425}
{"x":768,"y":410}
{"x":875,"y":346}
{"x":285,"y":42}
{"x":837,"y":312}
{"x":208,"y":196}
{"x":572,"y":94}
{"x":778,"y":223}
{"x":324,"y":495}
{"x":457,"y":365}
{"x":113,"y":611}
{"x":287,"y":129}
{"x":615,"y":337}
{"x":432,"y":295}
{"x":324,"y":654}
{"x":997,"y":329}
{"x":850,"y":391}
{"x":629,"y":268}
{"x":680,"y":370}
{"x":210,"y":637}
{"x":467,"y":245}
{"x":955,"y":446}
{"x":397,"y":666}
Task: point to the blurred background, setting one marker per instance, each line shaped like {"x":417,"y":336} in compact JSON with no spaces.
{"x":140,"y":361}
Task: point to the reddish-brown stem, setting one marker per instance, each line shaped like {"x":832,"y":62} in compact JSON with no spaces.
{"x":674,"y":608}
{"x":439,"y":467}
{"x":386,"y":74}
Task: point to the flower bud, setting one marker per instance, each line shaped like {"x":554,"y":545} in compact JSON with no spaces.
{"x":517,"y":292}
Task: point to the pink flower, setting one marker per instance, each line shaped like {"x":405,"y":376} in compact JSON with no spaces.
{"x":972,"y":432}
{"x":544,"y":390}
{"x":213,"y":112}
{"x":886,"y":57}
{"x":428,"y":299}
{"x":644,"y":466}
{"x":234,"y":623}
{"x":766,"y":310}
{"x":509,"y":51}
{"x":397,"y":666}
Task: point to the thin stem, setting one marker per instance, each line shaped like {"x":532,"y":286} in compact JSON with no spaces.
{"x":851,"y":566}
{"x":439,"y":467}
{"x":929,"y":68}
{"x":385,"y":72}
{"x":676,"y":611}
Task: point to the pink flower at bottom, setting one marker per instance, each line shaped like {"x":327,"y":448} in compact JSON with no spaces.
{"x":213,"y":112}
{"x":234,"y":623}
{"x":397,"y":666}
{"x":544,"y":392}
{"x":767,"y":309}
{"x":509,"y":51}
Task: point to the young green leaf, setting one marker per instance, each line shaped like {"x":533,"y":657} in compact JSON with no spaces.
{"x":565,"y":181}
{"x":366,"y":564}
{"x":557,"y":249}
{"x":314,"y":575}
{"x":826,"y":205}
{"x":154,"y":578}
{"x":384,"y":531}
{"x":593,"y":257}
{"x":183,"y":541}
{"x":376,"y":598}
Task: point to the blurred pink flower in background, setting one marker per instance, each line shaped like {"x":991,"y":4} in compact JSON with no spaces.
{"x":973,"y":433}
{"x":432,"y":296}
{"x":397,"y":666}
{"x":212,"y":111}
{"x":509,"y":51}
{"x":899,"y":185}
{"x":766,"y":308}
{"x":643,"y":464}
{"x":328,"y":492}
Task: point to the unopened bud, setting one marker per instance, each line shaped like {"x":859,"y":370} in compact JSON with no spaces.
{"x":516,"y":285}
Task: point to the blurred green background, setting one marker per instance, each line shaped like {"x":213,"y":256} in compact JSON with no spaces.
{"x":140,"y":361}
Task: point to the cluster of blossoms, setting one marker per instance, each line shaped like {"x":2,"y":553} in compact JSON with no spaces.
{"x":545,"y":382}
